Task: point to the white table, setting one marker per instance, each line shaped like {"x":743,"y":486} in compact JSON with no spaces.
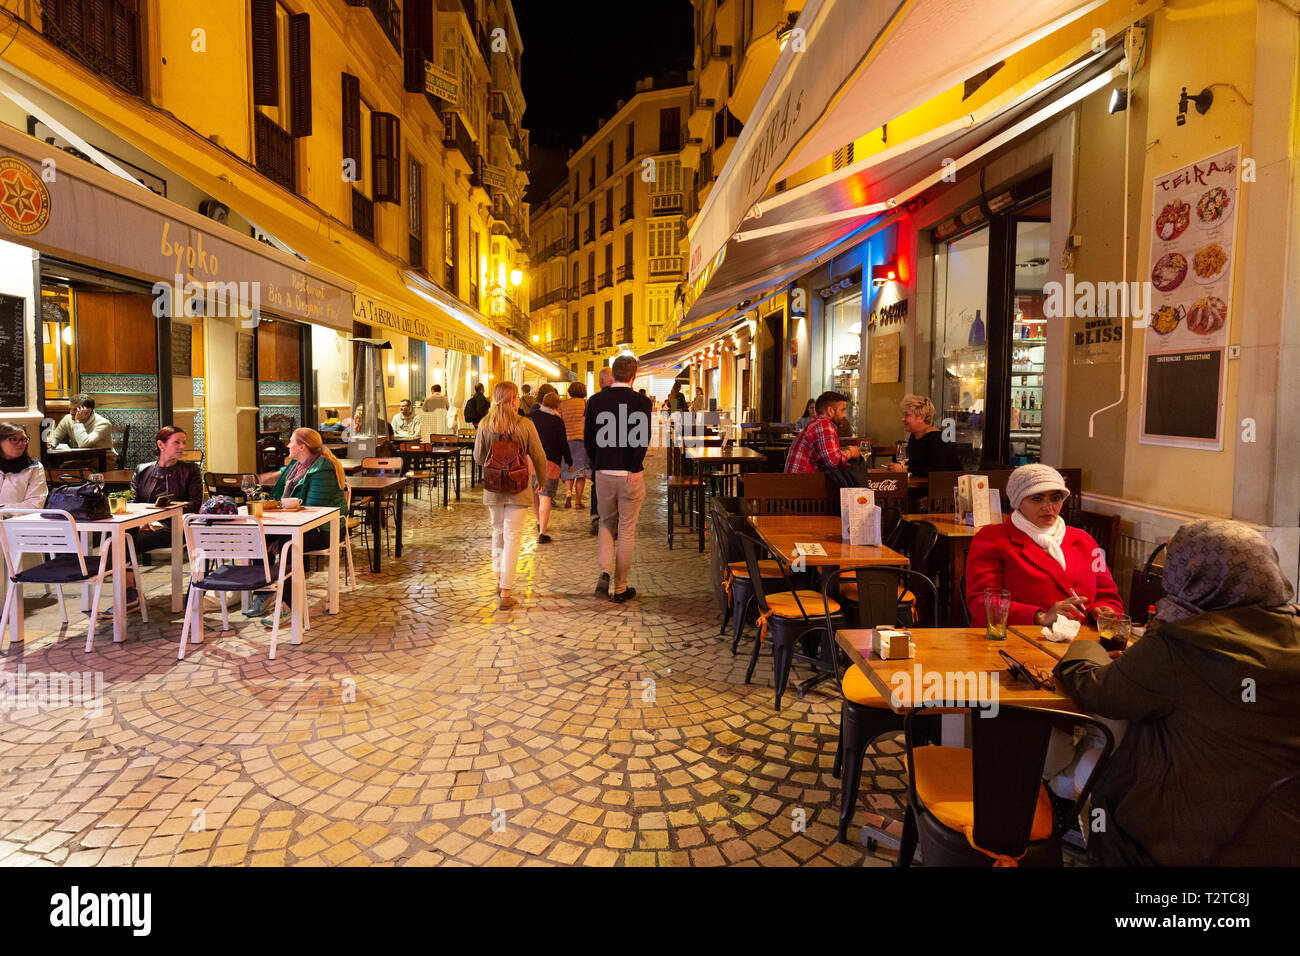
{"x":293,"y":525}
{"x":116,"y":526}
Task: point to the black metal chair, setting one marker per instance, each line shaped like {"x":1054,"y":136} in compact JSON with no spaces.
{"x":987,"y":805}
{"x":868,"y":600}
{"x":741,"y":610}
{"x":786,"y":616}
{"x":1146,"y":587}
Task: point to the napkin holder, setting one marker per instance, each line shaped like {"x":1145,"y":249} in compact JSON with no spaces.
{"x":891,"y":643}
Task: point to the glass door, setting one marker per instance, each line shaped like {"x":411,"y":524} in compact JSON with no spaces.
{"x":1028,"y":335}
{"x":961,"y":282}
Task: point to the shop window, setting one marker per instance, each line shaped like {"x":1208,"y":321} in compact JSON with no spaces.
{"x":415,"y":213}
{"x":843,"y":359}
{"x":59,"y":338}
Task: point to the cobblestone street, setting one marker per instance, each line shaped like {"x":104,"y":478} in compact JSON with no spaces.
{"x":422,"y":726}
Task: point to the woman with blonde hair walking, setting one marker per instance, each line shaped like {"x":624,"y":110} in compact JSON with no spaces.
{"x":508,"y":507}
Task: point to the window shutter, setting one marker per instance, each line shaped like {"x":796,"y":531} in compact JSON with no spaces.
{"x":266,"y":74}
{"x":352,"y":121}
{"x":385,"y":137}
{"x":300,"y":74}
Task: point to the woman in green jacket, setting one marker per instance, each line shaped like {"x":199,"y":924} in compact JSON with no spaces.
{"x":316,"y":476}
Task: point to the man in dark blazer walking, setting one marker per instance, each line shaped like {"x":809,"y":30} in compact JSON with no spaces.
{"x":616,"y":431}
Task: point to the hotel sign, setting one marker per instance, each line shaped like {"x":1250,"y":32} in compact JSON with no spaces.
{"x":441,"y":83}
{"x":384,"y":313}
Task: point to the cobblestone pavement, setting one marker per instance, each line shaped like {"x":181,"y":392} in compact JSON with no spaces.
{"x":422,"y":726}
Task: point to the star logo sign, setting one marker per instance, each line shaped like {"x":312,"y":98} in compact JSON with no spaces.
{"x":24,"y":198}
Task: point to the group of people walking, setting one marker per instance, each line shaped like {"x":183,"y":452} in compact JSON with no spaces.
{"x":576,"y":440}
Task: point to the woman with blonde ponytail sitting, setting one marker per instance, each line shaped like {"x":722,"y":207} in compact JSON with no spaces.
{"x":316,"y":476}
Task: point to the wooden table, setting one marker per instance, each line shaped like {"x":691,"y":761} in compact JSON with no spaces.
{"x":782,"y":532}
{"x":710,"y":457}
{"x":444,"y":455}
{"x":116,"y":526}
{"x":957,"y":538}
{"x":350,"y":465}
{"x":1055,"y":649}
{"x":375,"y":489}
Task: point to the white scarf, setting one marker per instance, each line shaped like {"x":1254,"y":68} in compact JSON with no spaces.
{"x":1049,"y":539}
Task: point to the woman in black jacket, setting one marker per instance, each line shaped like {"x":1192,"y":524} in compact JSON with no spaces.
{"x":166,"y":476}
{"x":545,"y":416}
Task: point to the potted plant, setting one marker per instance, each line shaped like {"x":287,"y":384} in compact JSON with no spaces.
{"x":256,"y":500}
{"x":118,"y":500}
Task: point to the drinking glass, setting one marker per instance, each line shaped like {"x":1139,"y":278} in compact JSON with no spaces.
{"x":997,"y":605}
{"x":900,"y":452}
{"x":1121,"y":629}
{"x":1105,"y":622}
{"x":866,"y":449}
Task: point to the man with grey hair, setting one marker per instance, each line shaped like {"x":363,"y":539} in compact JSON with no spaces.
{"x":616,"y":430}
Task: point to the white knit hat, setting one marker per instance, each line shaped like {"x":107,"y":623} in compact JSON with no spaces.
{"x":1030,"y":480}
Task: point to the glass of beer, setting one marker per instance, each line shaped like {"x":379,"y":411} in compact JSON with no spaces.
{"x":997,"y":606}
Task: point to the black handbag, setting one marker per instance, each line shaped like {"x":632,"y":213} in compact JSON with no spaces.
{"x":85,"y":502}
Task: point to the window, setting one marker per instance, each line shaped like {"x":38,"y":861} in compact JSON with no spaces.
{"x":627,"y":254}
{"x":576,"y":334}
{"x":449,"y":245}
{"x":103,"y":34}
{"x":609,"y":210}
{"x":577,"y":221}
{"x":415,"y":212}
{"x":576,"y":187}
{"x":474,"y":267}
{"x":591,"y":174}
{"x":631,"y":141}
{"x":627,"y":318}
{"x":591,"y":321}
{"x":629,"y":196}
{"x":609,"y":158}
{"x":609,"y":259}
{"x":365,"y":158}
{"x":609,"y":322}
{"x":386,"y":140}
{"x":669,"y":130}
{"x":281,"y":67}
{"x":574,"y":290}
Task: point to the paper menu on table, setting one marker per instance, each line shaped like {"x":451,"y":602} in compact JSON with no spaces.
{"x":810,"y":549}
{"x":859,"y":517}
{"x":979,"y":500}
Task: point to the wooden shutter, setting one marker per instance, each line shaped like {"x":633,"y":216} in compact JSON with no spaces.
{"x":300,"y":74}
{"x":352,"y":121}
{"x":266,"y":70}
{"x":385,"y":139}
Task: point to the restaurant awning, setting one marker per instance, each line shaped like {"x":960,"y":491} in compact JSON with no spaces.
{"x":794,"y":231}
{"x":671,"y":356}
{"x":472,"y":319}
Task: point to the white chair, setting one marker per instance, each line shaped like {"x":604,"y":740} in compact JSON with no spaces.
{"x":345,"y":543}
{"x":225,"y":539}
{"x":56,"y":537}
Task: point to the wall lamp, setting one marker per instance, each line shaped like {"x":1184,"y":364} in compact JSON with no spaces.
{"x":1202,"y":100}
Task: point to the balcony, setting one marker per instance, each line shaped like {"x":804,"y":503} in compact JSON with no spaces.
{"x":606,"y":224}
{"x":105,"y":38}
{"x":587,"y":344}
{"x":389,"y":16}
{"x":605,"y":340}
{"x":573,"y":244}
{"x":550,"y":298}
{"x":625,"y":214}
{"x":666,"y":265}
{"x":458,"y":141}
{"x":274,"y":152}
{"x":414,"y":63}
{"x":588,"y":286}
{"x":363,"y":215}
{"x":625,"y":272}
{"x":606,"y":280}
{"x":588,"y":235}
{"x":666,"y":204}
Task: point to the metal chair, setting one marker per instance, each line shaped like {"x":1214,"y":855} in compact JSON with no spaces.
{"x":740,"y":607}
{"x":378,"y":468}
{"x":225,"y":483}
{"x":230,"y":538}
{"x":345,"y":542}
{"x":57,"y":538}
{"x":121,"y":435}
{"x":988,"y":805}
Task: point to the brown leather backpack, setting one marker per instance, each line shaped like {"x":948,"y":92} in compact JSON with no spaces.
{"x":506,"y":470}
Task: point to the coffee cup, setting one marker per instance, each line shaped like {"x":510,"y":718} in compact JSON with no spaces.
{"x":290,"y":504}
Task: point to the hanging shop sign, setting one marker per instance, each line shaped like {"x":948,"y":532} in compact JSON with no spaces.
{"x":441,"y":83}
{"x":1193,"y":252}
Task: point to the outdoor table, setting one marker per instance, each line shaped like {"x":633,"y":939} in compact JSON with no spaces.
{"x":444,"y":455}
{"x":782,"y":532}
{"x":350,"y":465}
{"x":116,"y":526}
{"x":708,"y":457}
{"x":954,"y":651}
{"x":375,"y":489}
{"x":56,"y":459}
{"x":293,"y":525}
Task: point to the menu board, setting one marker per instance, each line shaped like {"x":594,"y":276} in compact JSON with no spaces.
{"x":13,"y":371}
{"x":1192,"y":241}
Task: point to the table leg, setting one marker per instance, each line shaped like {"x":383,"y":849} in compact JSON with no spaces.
{"x":375,"y":530}
{"x":401,"y":496}
{"x":85,"y":588}
{"x":178,"y":559}
{"x":17,"y":627}
{"x":699,"y":502}
{"x":119,"y":585}
{"x":458,"y":478}
{"x":446,"y":482}
{"x":334,"y":567}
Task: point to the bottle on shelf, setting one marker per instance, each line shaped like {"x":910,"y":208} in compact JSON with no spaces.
{"x":1031,"y":399}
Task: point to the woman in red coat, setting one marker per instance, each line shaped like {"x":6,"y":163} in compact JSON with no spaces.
{"x":1048,"y":567}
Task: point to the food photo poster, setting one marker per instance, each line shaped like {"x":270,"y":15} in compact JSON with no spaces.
{"x":1192,"y":242}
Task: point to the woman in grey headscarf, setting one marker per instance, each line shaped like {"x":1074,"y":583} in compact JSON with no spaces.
{"x":1212,"y":691}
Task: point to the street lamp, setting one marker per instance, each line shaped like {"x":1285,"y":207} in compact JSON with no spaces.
{"x":516,"y":278}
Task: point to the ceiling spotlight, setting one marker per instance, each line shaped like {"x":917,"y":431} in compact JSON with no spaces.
{"x":1118,"y":100}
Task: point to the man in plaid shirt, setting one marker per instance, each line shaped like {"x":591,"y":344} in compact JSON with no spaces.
{"x":817,"y":447}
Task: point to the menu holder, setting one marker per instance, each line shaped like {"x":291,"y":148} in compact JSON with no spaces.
{"x":985,"y":502}
{"x":859,"y":517}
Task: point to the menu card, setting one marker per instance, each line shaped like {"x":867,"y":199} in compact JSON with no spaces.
{"x":859,"y":517}
{"x":985,"y":502}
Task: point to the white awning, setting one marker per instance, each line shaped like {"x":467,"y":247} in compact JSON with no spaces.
{"x":859,"y":64}
{"x":793,"y":232}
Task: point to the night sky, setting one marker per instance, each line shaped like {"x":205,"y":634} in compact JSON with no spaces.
{"x":581,"y":57}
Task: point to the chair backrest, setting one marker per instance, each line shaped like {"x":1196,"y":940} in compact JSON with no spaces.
{"x":57,"y":534}
{"x":381,"y":467}
{"x":1146,"y":587}
{"x":193,"y":455}
{"x":942,"y":483}
{"x":925,"y":553}
{"x":280,"y":423}
{"x":224,"y":538}
{"x":889,"y":487}
{"x":753,"y":547}
{"x":225,"y":483}
{"x":1104,"y":529}
{"x":72,"y":476}
{"x":877,"y":601}
{"x":890,"y":519}
{"x":766,"y":494}
{"x":121,"y":435}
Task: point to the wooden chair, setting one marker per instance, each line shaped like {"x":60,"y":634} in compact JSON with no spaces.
{"x":121,"y":443}
{"x":777,"y":494}
{"x":66,"y":476}
{"x":271,"y":454}
{"x":378,"y":468}
{"x":419,"y":467}
{"x":345,"y":543}
{"x":1104,"y":529}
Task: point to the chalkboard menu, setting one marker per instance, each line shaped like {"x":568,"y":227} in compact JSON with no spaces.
{"x":182,"y":345}
{"x":13,"y":341}
{"x":1183,"y":395}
